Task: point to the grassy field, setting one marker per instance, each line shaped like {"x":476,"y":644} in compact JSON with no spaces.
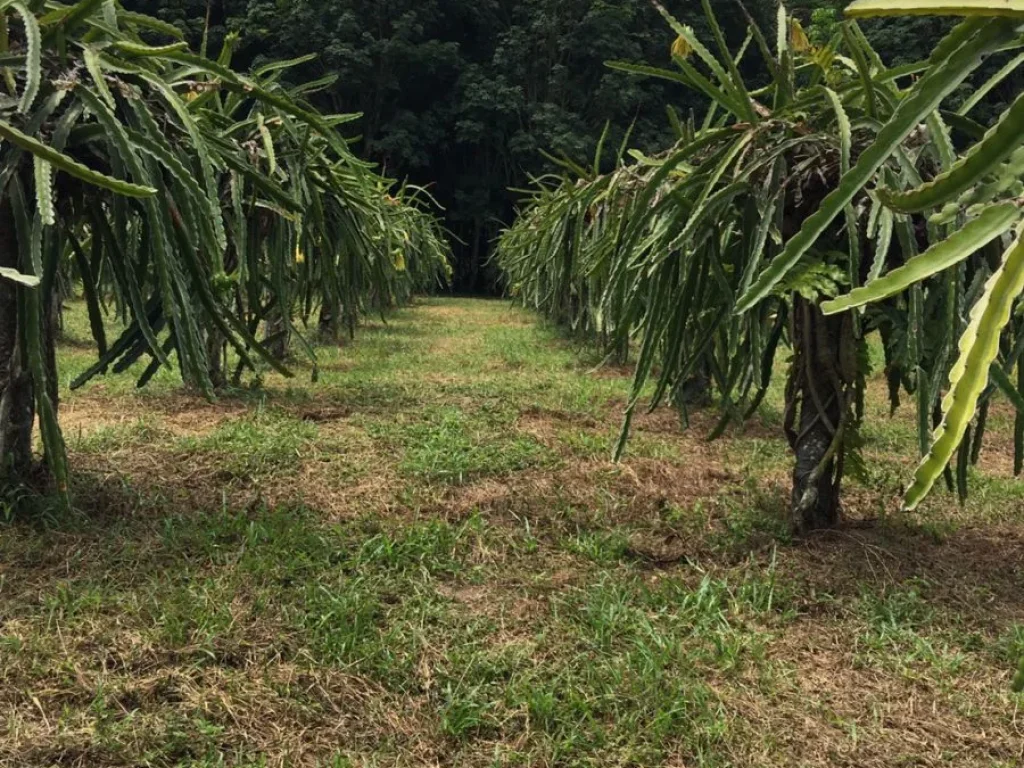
{"x":427,"y":559}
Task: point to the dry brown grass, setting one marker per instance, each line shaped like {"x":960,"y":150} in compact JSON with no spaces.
{"x":164,"y":628}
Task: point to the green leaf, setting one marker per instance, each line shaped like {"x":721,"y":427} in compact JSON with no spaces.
{"x":138,"y":50}
{"x":249,"y":88}
{"x":202,"y":150}
{"x":1013,"y":394}
{"x":277,"y":66}
{"x":94,"y":65}
{"x":883,"y":242}
{"x":268,"y":144}
{"x":738,"y":97}
{"x":33,"y":57}
{"x":148,"y":22}
{"x":43,"y":176}
{"x":868,"y":8}
{"x":63,"y":19}
{"x":969,"y":376}
{"x":927,"y":95}
{"x":970,"y":128}
{"x":738,"y":86}
{"x":782,"y":32}
{"x":1008,"y":178}
{"x":993,"y":222}
{"x":980,"y":93}
{"x":999,"y":143}
{"x":71,"y":166}
{"x":863,"y":69}
{"x":29,"y":281}
{"x":90,"y":288}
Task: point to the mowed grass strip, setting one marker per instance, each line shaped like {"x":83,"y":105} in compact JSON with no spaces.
{"x":427,"y":558}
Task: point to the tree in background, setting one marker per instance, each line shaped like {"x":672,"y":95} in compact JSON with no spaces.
{"x":464,"y":94}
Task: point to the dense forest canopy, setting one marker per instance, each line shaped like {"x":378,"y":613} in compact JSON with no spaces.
{"x":466,"y":95}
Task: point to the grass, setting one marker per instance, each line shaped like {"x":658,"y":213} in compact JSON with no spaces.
{"x":447,"y":444}
{"x":426,"y":558}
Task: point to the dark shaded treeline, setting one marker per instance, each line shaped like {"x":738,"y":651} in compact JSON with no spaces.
{"x":462,"y":95}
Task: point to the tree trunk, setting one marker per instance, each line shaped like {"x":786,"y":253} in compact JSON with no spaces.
{"x":17,"y":407}
{"x":695,"y":391}
{"x":216,"y":361}
{"x":475,"y":258}
{"x":277,"y":335}
{"x":330,"y":322}
{"x":819,"y":388}
{"x":56,"y":310}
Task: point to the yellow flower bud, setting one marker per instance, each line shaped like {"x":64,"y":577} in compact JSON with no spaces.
{"x":798,"y":40}
{"x":682,"y":48}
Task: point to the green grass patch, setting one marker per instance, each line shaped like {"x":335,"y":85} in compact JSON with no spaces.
{"x":449,"y":445}
{"x":267,"y":441}
{"x":425,"y":559}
